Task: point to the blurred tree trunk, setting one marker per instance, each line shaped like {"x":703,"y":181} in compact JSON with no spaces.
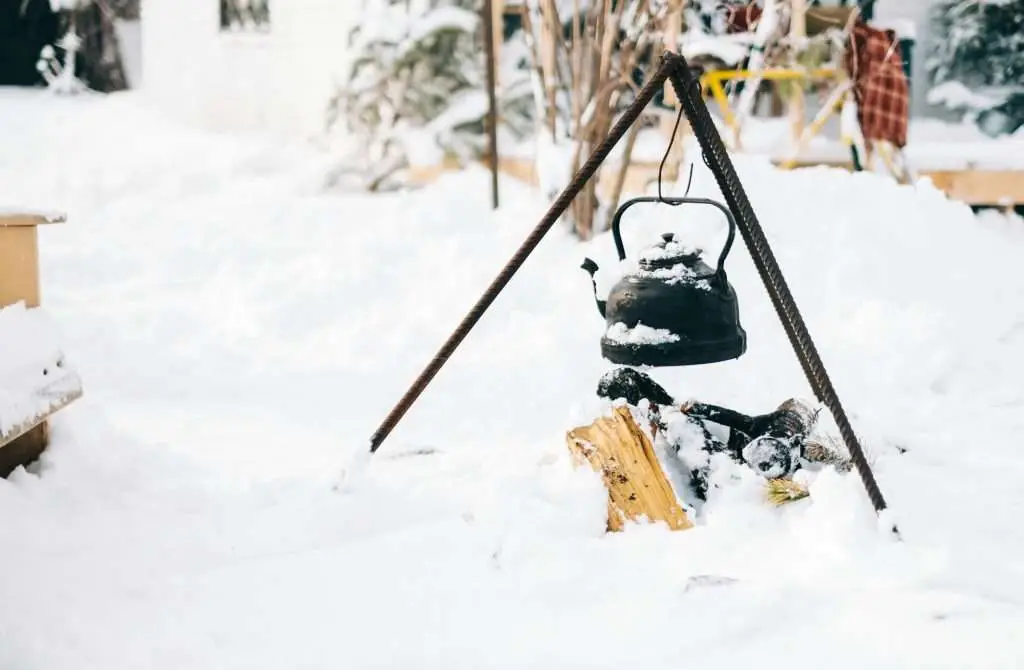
{"x":99,"y":63}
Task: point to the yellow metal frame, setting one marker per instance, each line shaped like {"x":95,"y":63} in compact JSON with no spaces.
{"x":838,"y":98}
{"x":713,"y":81}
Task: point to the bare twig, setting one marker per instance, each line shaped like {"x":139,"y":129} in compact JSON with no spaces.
{"x":620,"y":176}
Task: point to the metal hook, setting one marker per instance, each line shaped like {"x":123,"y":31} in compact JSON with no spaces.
{"x":689,"y":181}
{"x":668,"y":151}
{"x":671,"y":142}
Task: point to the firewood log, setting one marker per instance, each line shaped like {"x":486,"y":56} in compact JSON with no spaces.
{"x":638,"y":489}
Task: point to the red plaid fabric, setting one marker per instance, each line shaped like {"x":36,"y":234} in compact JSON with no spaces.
{"x":742,"y":19}
{"x":875,"y":64}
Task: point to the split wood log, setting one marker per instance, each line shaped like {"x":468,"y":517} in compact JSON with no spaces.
{"x":638,"y":489}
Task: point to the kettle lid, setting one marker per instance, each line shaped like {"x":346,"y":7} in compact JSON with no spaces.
{"x":668,"y":253}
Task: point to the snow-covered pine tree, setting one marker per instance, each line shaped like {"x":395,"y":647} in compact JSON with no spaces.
{"x":415,"y":88}
{"x":976,"y":63}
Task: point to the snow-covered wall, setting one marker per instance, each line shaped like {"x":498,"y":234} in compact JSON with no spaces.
{"x":277,"y":81}
{"x":915,"y":11}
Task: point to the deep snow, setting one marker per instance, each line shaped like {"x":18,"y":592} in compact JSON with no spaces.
{"x":933,"y":145}
{"x":35,"y":376}
{"x":240,"y":333}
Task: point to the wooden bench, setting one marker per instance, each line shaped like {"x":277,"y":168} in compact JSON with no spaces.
{"x":24,"y":438}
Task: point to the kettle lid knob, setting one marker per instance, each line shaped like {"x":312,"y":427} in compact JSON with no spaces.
{"x":668,"y":237}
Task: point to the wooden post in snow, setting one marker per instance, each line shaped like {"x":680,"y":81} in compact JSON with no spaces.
{"x":498,"y":30}
{"x":673,"y":27}
{"x":548,"y":44}
{"x":797,"y":35}
{"x":492,"y":95}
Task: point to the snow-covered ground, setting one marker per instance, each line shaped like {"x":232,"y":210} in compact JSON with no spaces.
{"x":932,"y":145}
{"x":240,"y":332}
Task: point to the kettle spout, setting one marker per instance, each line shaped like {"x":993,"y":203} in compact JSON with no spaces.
{"x":591,"y":268}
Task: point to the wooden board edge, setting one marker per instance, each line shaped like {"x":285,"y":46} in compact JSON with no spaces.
{"x":27,"y":219}
{"x":27,"y":425}
{"x":996,"y":187}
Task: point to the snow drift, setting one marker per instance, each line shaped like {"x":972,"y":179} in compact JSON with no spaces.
{"x":242,"y":332}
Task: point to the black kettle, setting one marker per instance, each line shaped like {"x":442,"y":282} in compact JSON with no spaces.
{"x":673,"y":309}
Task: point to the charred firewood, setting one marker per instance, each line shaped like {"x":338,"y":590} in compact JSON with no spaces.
{"x":772,"y":444}
{"x":633,"y":386}
{"x":775,"y":444}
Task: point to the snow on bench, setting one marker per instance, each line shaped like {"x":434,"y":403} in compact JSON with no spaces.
{"x":35,"y":378}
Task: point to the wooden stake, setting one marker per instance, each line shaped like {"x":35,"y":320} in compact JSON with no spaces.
{"x":797,"y":35}
{"x":548,"y":62}
{"x":674,"y":26}
{"x":498,"y":30}
{"x":492,"y":98}
{"x":619,"y":178}
{"x":578,"y":82}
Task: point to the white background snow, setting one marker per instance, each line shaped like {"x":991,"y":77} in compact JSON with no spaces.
{"x":240,"y":333}
{"x":33,"y":373}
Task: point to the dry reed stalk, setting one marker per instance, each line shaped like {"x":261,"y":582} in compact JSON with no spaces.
{"x":782,"y":491}
{"x":584,"y":75}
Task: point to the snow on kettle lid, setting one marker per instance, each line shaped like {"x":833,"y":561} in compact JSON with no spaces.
{"x":667,"y":253}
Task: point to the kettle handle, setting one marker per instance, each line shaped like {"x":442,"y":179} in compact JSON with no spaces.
{"x":675,"y":202}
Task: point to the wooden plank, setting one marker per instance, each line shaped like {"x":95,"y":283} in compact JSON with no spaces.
{"x":997,"y":188}
{"x":24,"y":442}
{"x":981,"y":187}
{"x":798,"y":35}
{"x":19,"y":265}
{"x":19,"y":254}
{"x":17,"y":219}
{"x":60,"y":400}
{"x":25,"y":449}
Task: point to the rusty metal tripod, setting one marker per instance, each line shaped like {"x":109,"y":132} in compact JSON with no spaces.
{"x":674,"y":69}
